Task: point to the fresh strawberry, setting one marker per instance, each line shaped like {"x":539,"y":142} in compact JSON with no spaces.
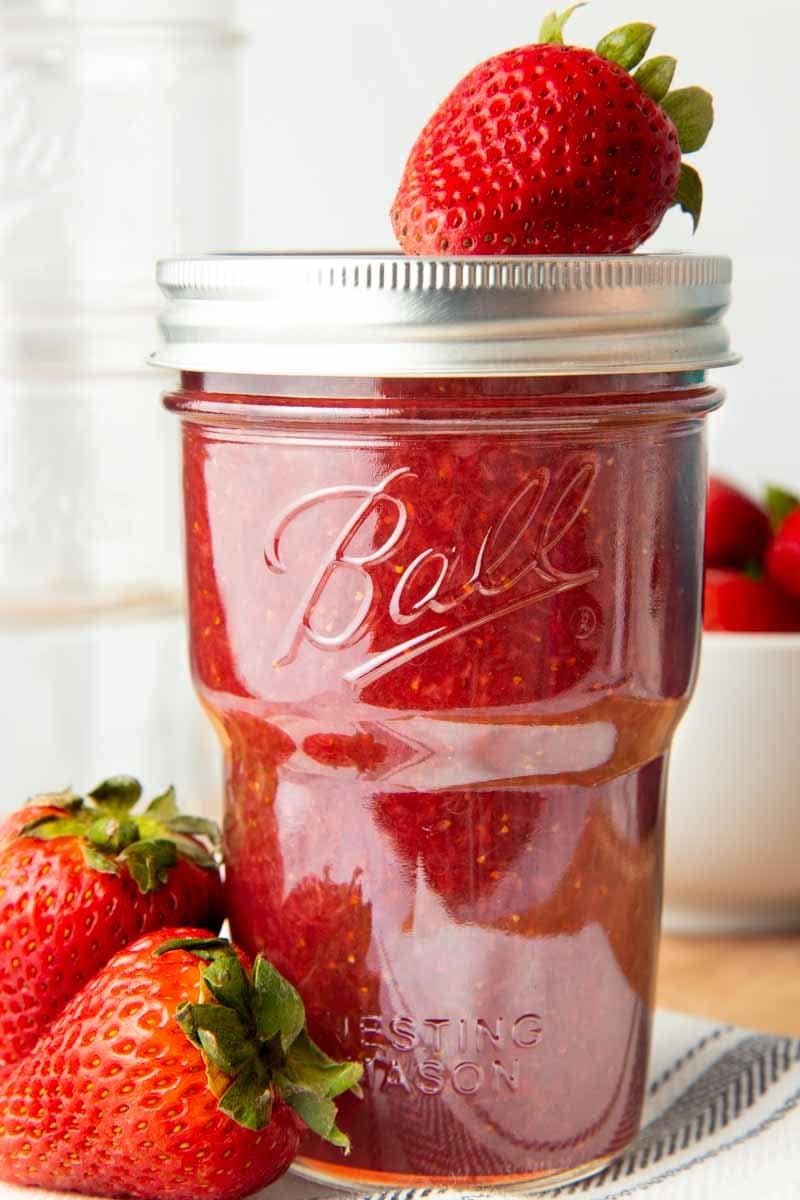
{"x":741,"y":604}
{"x":783,"y":556}
{"x":737,"y":530}
{"x":555,"y":149}
{"x":140,"y":1090}
{"x":80,"y":879}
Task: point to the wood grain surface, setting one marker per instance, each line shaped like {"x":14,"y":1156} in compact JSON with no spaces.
{"x":750,"y":981}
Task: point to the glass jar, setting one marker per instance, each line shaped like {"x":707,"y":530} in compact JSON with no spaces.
{"x":444,"y":537}
{"x":119,"y":118}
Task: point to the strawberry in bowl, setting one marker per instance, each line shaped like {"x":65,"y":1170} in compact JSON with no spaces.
{"x":752,"y":577}
{"x":782,"y":562}
{"x":736,"y":754}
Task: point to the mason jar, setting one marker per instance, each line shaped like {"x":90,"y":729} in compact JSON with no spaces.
{"x":444,"y":543}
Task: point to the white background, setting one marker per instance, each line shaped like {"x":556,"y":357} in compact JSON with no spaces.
{"x":335,"y":93}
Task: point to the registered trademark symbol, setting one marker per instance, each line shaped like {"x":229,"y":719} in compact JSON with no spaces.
{"x":583,"y":622}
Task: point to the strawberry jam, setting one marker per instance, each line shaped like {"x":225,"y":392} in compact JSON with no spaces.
{"x":445,"y":631}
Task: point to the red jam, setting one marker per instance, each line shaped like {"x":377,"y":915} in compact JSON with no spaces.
{"x":446,"y":635}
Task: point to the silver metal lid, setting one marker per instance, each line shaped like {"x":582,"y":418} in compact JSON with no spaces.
{"x":390,"y":315}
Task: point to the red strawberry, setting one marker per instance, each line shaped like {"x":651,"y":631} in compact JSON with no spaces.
{"x":783,"y":556}
{"x":78,"y":881}
{"x":740,"y":604}
{"x":139,"y":1090}
{"x":737,"y":530}
{"x":554,"y":149}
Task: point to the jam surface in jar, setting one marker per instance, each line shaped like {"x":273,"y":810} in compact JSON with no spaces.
{"x":445,"y":645}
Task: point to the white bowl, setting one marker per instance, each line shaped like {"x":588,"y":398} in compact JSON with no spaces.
{"x":733,"y":808}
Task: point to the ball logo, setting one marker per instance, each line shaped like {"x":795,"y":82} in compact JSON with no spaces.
{"x":512,"y":568}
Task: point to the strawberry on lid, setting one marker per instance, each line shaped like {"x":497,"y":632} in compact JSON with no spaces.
{"x":555,"y":149}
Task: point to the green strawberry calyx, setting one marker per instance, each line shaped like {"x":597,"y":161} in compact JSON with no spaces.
{"x":251,"y":1030}
{"x":691,"y":109}
{"x":114,"y":837}
{"x":779,"y":503}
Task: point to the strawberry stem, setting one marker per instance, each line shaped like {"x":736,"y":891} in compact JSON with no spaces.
{"x":205,"y":948}
{"x":779,"y":503}
{"x":691,"y":110}
{"x":113,"y":837}
{"x":255,"y":1045}
{"x":552,"y":28}
{"x":753,"y":569}
{"x":689,"y":196}
{"x":627,"y":45}
{"x":120,"y":791}
{"x":655,"y":76}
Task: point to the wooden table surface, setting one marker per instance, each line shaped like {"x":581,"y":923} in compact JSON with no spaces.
{"x":750,"y":981}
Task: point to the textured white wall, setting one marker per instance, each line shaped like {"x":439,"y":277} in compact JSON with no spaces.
{"x":335,"y":94}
